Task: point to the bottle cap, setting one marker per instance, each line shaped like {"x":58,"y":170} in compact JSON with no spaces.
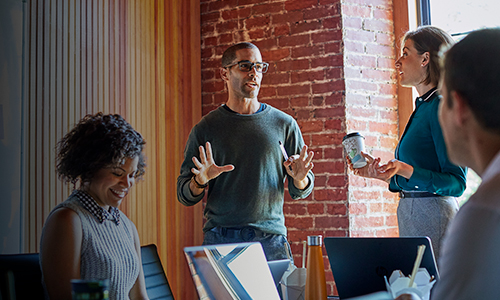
{"x":314,"y":240}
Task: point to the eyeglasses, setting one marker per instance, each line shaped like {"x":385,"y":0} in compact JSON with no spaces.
{"x":247,"y":66}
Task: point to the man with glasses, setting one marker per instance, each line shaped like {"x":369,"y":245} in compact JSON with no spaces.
{"x":235,"y":152}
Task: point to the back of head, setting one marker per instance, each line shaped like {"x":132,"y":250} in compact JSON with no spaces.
{"x":429,"y":39}
{"x":230,"y":54}
{"x":472,"y":68}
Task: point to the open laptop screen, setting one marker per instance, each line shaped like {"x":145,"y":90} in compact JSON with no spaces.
{"x":359,"y":264}
{"x":231,"y":271}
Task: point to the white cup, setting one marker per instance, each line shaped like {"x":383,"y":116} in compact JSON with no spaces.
{"x":354,"y":143}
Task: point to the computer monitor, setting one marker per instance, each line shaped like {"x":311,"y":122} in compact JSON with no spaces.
{"x":231,"y":271}
{"x":360,"y":264}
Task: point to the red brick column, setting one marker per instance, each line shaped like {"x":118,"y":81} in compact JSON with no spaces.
{"x":313,"y":78}
{"x":371,"y":109}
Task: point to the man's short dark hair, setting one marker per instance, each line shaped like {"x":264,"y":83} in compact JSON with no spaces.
{"x":472,"y":69}
{"x":230,"y":54}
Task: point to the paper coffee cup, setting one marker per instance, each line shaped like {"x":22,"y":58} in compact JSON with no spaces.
{"x":89,"y":289}
{"x":354,"y":143}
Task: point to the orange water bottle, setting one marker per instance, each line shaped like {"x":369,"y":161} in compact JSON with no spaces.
{"x":315,"y":282}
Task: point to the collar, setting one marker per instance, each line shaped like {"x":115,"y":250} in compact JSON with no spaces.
{"x":492,"y":169}
{"x":428,"y":95}
{"x":261,"y":108}
{"x":96,"y":210}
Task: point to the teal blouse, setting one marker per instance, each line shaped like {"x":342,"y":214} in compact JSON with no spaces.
{"x":422,"y":146}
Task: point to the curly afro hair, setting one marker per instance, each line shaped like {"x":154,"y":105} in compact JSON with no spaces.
{"x":98,"y":141}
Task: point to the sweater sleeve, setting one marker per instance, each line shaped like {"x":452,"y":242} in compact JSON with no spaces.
{"x":184,"y":194}
{"x":297,"y":142}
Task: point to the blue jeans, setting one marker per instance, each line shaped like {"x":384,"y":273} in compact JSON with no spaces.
{"x":274,"y":245}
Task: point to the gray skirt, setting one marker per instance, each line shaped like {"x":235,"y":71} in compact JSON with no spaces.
{"x":426,"y":217}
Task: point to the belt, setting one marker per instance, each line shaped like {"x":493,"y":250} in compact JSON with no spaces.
{"x":417,"y":194}
{"x":245,"y":233}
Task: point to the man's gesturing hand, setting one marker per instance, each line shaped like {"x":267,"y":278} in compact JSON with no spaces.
{"x":206,"y":169}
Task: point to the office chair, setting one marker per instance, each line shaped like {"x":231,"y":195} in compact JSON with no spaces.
{"x":157,"y":285}
{"x":20,"y":277}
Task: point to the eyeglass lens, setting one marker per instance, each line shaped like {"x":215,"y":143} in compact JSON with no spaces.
{"x":247,"y":66}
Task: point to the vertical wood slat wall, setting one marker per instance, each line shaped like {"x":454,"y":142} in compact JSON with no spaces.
{"x":137,"y":58}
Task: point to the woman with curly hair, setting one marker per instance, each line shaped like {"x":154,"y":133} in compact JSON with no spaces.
{"x":87,"y":236}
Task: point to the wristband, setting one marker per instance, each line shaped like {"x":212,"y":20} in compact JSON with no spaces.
{"x":196,"y":184}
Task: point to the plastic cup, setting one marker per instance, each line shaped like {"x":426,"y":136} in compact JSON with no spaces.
{"x":354,"y":143}
{"x":90,"y":289}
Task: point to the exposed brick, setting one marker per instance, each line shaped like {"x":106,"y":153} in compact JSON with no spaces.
{"x":299,"y":101}
{"x":226,"y":39}
{"x":368,"y":222}
{"x":331,"y":222}
{"x":319,"y":12}
{"x":267,"y":8}
{"x":291,"y":5}
{"x":335,"y":98}
{"x":307,"y":51}
{"x":328,"y":87}
{"x":279,"y":103}
{"x":280,"y":30}
{"x":355,"y":46}
{"x":294,"y":209}
{"x":378,"y":25}
{"x":257,"y":22}
{"x":265,"y":45}
{"x":212,"y":86}
{"x":277,"y":54}
{"x":383,"y":14}
{"x":323,"y":139}
{"x":326,"y":36}
{"x":381,"y":50}
{"x":207,"y":28}
{"x":359,"y":35}
{"x":352,"y":22}
{"x":384,"y":39}
{"x":333,"y":124}
{"x":220,"y":98}
{"x":222,"y":4}
{"x":298,"y":77}
{"x":207,"y":75}
{"x":300,"y":222}
{"x":336,"y":209}
{"x":333,"y":47}
{"x":299,"y":64}
{"x":356,"y":11}
{"x":361,"y":60}
{"x":276,"y":78}
{"x":332,"y":23}
{"x":358,"y":208}
{"x":311,"y":126}
{"x":329,"y":167}
{"x":287,"y":17}
{"x":228,"y":26}
{"x":316,"y":208}
{"x":256,"y":34}
{"x":329,"y":61}
{"x":267,"y":91}
{"x":386,"y":63}
{"x":294,"y":40}
{"x":294,"y":90}
{"x":333,"y":153}
{"x":210,"y":18}
{"x":305,"y":27}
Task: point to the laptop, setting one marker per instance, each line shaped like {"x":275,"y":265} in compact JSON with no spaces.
{"x":231,"y":271}
{"x":360,"y":264}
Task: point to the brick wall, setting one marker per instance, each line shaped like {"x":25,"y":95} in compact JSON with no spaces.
{"x":330,"y":87}
{"x":371,"y":108}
